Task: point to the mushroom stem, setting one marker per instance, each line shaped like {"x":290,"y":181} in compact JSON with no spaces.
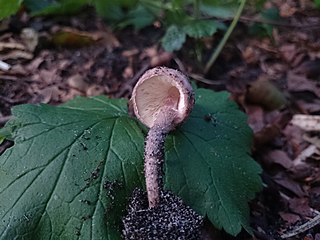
{"x":154,"y":152}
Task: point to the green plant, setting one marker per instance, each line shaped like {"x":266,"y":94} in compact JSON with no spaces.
{"x":9,"y":8}
{"x":73,"y":167}
{"x":265,"y":28}
{"x":181,"y":19}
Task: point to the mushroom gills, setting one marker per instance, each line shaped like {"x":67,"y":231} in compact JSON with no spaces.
{"x":166,"y":95}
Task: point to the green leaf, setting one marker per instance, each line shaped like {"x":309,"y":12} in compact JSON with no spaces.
{"x":220,"y":10}
{"x":36,"y":6}
{"x":9,"y":8}
{"x":173,"y":39}
{"x":139,"y":17}
{"x":208,"y":162}
{"x":272,"y":14}
{"x":200,"y":28}
{"x":73,"y":167}
{"x":70,"y":171}
{"x":55,"y":7}
{"x":264,"y":29}
{"x":113,"y":10}
{"x":7,"y":131}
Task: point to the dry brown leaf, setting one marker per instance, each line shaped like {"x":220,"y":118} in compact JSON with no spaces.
{"x":300,"y":206}
{"x":301,"y":172}
{"x":72,"y":93}
{"x":161,"y":59}
{"x":128,"y":72}
{"x":77,"y":82}
{"x":283,"y":180}
{"x":306,"y":122}
{"x":149,"y":52}
{"x":306,"y":153}
{"x":315,"y":140}
{"x":33,"y":66}
{"x":291,"y":53}
{"x":100,"y":73}
{"x":294,"y":138}
{"x":130,"y":53}
{"x":30,"y":38}
{"x":251,"y":55}
{"x":49,"y":76}
{"x":279,"y":157}
{"x":16,"y":54}
{"x":19,"y":70}
{"x":286,"y":10}
{"x":307,"y":107}
{"x":95,"y":90}
{"x":298,"y":83}
{"x":107,"y":38}
{"x":290,"y":218}
{"x":309,"y":68}
{"x":46,"y":95}
{"x":11,"y":45}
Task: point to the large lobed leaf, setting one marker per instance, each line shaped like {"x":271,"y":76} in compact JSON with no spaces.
{"x":69,"y":171}
{"x":73,"y":167}
{"x":208,"y":162}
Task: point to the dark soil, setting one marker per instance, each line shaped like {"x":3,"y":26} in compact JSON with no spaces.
{"x":171,"y":219}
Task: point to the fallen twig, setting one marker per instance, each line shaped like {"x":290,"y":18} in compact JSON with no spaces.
{"x":266,"y":21}
{"x":304,"y":227}
{"x":226,"y":36}
{"x":199,"y":78}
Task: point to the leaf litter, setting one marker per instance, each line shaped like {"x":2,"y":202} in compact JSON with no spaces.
{"x":290,"y":60}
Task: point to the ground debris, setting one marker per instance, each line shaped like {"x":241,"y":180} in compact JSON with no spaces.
{"x":172,"y":219}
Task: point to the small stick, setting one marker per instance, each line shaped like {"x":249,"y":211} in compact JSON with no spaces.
{"x":304,"y":227}
{"x":226,"y":36}
{"x":266,"y":21}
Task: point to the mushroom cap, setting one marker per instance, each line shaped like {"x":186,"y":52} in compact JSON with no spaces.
{"x":160,"y":87}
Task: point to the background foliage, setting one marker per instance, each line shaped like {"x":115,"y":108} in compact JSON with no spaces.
{"x":193,"y":18}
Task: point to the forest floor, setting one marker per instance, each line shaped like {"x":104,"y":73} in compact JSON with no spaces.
{"x":272,"y":78}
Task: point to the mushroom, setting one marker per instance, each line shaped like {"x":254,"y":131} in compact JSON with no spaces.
{"x":161,"y":99}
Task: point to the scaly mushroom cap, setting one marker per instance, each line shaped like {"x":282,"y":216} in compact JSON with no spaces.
{"x":160,"y":87}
